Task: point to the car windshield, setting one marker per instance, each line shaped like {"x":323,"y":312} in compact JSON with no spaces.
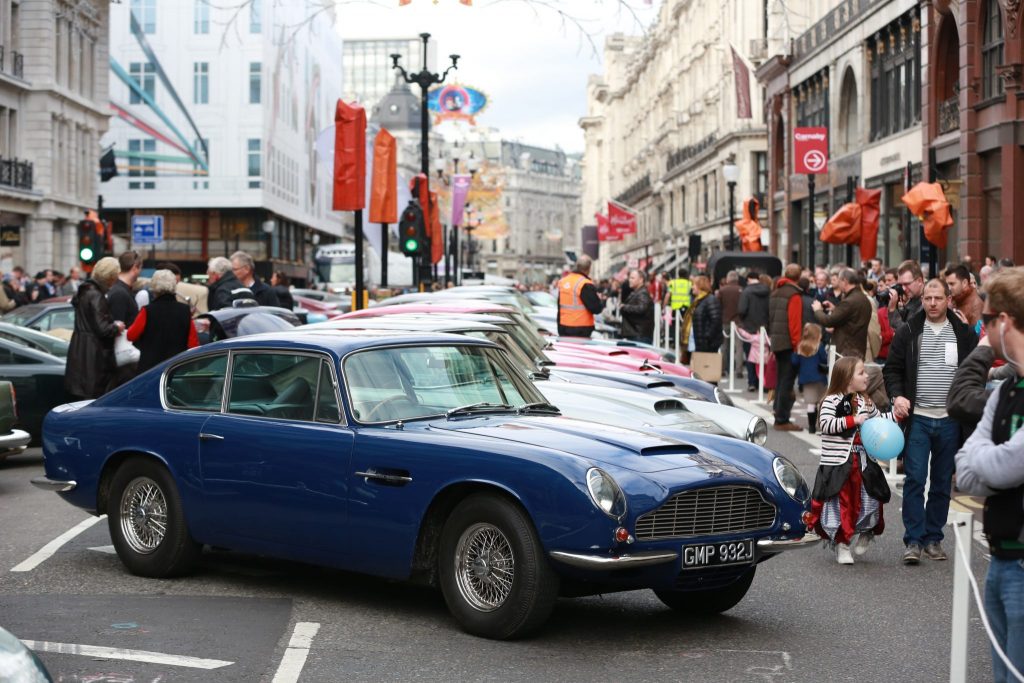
{"x":542,"y":299}
{"x":410,"y":382}
{"x":21,"y":315}
{"x":35,"y":340}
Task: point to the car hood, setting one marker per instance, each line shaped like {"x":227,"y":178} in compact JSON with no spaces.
{"x":639,"y":450}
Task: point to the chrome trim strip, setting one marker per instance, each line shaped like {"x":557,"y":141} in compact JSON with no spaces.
{"x":777,"y":545}
{"x":204,"y":436}
{"x":389,"y":478}
{"x":53,"y":484}
{"x":17,"y":438}
{"x":614,"y":562}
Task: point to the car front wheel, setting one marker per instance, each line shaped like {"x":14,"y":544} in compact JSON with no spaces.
{"x":147,"y":522}
{"x":711,"y":601}
{"x":494,"y":576}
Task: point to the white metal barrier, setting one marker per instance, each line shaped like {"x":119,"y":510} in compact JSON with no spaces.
{"x":963,"y":585}
{"x":762,"y":338}
{"x":657,"y":324}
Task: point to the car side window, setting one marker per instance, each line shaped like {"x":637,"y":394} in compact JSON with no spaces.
{"x":280,"y":385}
{"x":197,"y":384}
{"x":327,"y":409}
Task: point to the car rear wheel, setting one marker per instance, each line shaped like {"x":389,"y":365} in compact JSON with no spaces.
{"x":711,"y":601}
{"x":147,"y":522}
{"x":494,"y":576}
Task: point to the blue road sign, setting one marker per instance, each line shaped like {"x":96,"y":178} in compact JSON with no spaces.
{"x":147,"y":229}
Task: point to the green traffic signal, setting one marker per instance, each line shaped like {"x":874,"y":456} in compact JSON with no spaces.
{"x":85,"y":254}
{"x":411,"y":245}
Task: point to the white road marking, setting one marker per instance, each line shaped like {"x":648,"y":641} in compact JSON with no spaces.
{"x":108,"y":549}
{"x":48,"y":550}
{"x":298,"y":650}
{"x":124,"y":654}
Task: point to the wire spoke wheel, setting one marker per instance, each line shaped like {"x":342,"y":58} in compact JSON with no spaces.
{"x":484,"y":567}
{"x":143,"y":515}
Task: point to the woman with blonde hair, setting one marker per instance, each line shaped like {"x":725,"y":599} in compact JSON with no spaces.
{"x":91,"y":366}
{"x":164,"y":327}
{"x":811,"y":363}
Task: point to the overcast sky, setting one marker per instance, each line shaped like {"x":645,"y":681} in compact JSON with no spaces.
{"x":531,"y":63}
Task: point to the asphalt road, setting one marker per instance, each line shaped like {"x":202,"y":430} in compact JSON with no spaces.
{"x":242,"y":618}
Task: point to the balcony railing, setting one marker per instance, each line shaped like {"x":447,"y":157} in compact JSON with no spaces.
{"x":17,"y":174}
{"x":17,"y":62}
{"x":949,"y":115}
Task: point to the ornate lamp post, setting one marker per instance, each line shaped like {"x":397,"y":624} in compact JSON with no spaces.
{"x":471,"y":225}
{"x":440,"y":165}
{"x":731,"y":173}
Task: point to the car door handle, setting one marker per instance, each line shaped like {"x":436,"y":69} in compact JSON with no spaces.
{"x":204,"y":436}
{"x":396,"y":479}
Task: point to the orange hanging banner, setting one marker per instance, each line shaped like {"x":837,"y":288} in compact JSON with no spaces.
{"x":748,"y":227}
{"x":845,"y":225}
{"x":928,"y":202}
{"x":435,"y":230}
{"x":384,"y":183}
{"x":870,"y":202}
{"x":349,"y":157}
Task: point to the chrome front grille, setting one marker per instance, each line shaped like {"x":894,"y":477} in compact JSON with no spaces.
{"x":707,"y":512}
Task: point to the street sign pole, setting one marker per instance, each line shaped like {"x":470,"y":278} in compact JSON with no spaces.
{"x":810,"y":222}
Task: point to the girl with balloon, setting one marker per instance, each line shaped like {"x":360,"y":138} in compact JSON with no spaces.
{"x":850,"y":488}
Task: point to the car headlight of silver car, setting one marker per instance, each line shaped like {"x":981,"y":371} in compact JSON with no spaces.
{"x":606,"y":493}
{"x":723,"y":398}
{"x":790,"y":479}
{"x":757,"y":431}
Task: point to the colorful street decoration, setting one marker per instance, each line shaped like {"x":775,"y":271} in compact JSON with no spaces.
{"x":455,"y":102}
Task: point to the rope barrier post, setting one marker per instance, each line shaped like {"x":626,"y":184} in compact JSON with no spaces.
{"x":657,"y":323}
{"x":760,"y":365}
{"x":732,"y":356}
{"x":675,"y":316}
{"x":962,"y":535}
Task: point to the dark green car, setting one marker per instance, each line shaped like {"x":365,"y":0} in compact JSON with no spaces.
{"x":38,"y":380}
{"x":11,"y":440}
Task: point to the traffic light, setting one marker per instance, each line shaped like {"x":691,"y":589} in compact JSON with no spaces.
{"x":91,"y":240}
{"x":412,"y":230}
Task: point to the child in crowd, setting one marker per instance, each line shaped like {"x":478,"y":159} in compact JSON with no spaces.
{"x":811,"y":363}
{"x":850,"y":488}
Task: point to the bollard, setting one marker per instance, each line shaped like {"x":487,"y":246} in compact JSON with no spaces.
{"x":760,"y":383}
{"x":732,"y":357}
{"x":831,"y":360}
{"x":675,"y":317}
{"x":657,"y":324}
{"x":962,"y":538}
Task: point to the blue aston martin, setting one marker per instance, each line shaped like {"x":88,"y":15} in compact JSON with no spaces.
{"x":417,"y":456}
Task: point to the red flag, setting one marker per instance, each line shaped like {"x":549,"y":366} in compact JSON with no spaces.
{"x":435,"y":230}
{"x":621,"y":221}
{"x":349,"y":157}
{"x":870,"y":205}
{"x":748,"y":227}
{"x":384,"y":186}
{"x":844,"y":227}
{"x":604,"y":230}
{"x":928,"y":202}
{"x":741,"y":79}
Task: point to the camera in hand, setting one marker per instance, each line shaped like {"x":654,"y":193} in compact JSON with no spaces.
{"x":898,"y":288}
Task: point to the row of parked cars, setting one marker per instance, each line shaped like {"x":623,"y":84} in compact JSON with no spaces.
{"x":447,"y":438}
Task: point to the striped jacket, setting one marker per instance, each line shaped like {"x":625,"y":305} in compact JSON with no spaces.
{"x":837,"y":426}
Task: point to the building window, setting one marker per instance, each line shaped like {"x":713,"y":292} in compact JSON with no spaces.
{"x":761,"y":177}
{"x":812,"y":101}
{"x":141,"y":167}
{"x":255,"y":162}
{"x":256,"y":16}
{"x":895,"y":56}
{"x":201,"y":82}
{"x":705,"y":179}
{"x":201,"y":23}
{"x":992,"y":51}
{"x":144,"y":75}
{"x":144,"y":12}
{"x":255,"y":77}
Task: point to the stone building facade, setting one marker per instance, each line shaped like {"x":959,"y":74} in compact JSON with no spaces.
{"x":53,"y":110}
{"x":663,"y":120}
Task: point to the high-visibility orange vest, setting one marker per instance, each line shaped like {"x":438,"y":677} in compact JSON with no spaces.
{"x":572,"y":312}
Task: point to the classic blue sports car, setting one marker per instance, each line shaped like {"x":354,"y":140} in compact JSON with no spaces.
{"x":417,"y":456}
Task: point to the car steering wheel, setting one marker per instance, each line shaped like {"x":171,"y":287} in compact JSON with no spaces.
{"x":386,"y":402}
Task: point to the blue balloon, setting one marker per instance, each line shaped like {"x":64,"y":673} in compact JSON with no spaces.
{"x":882,"y":439}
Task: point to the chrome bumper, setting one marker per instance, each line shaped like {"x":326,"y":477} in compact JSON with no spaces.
{"x":777,"y":545}
{"x":614,"y":561}
{"x":53,"y":484}
{"x":16,"y":439}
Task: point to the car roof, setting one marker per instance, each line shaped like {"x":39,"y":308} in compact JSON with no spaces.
{"x":431,"y":308}
{"x":422,"y":323}
{"x":337,"y":342}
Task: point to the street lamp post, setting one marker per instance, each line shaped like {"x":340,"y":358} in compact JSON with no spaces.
{"x":731,"y":173}
{"x":425,"y":79}
{"x":472,"y":165}
{"x":470,"y":226}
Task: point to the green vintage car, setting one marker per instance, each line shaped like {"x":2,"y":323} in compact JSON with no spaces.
{"x":11,"y":440}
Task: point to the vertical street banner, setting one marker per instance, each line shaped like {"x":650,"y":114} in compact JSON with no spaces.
{"x":384,"y":184}
{"x":621,"y":221}
{"x":434,"y":229}
{"x":460,"y":190}
{"x":590,"y":241}
{"x":349,"y":157}
{"x":810,"y":150}
{"x":741,"y":79}
{"x":604,"y":230}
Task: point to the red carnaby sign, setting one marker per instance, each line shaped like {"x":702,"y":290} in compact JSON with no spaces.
{"x":621,"y":221}
{"x":604,"y":230}
{"x":810,"y":150}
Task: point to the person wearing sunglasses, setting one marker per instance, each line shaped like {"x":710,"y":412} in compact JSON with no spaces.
{"x":991,"y":464}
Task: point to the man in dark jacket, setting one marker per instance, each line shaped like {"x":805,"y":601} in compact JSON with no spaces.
{"x":918,"y":376}
{"x":753,"y":315}
{"x":906,"y":299}
{"x":849,"y":319}
{"x":970,"y":392}
{"x":785,"y":327}
{"x":90,"y":362}
{"x":638,"y":310}
{"x":223,"y":285}
{"x":729,"y":298}
{"x":244,"y":269}
{"x":121,"y":297}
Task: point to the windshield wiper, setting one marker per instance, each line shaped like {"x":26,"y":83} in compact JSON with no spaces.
{"x":477,"y":408}
{"x":538,"y":407}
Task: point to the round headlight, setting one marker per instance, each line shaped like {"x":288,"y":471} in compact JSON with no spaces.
{"x":757,"y":431}
{"x":606,"y":493}
{"x":790,"y":479}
